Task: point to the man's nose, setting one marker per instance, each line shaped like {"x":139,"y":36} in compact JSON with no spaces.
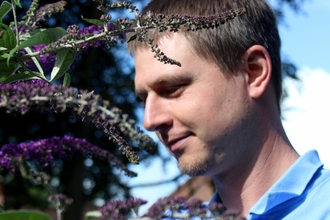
{"x":155,"y":114}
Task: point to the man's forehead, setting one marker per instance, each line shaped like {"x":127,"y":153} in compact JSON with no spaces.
{"x":161,"y":39}
{"x":151,"y":72}
{"x":153,"y":35}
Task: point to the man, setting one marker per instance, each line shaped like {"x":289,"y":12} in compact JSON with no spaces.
{"x":219,"y":113}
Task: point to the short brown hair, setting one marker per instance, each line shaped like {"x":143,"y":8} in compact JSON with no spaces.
{"x":226,"y":44}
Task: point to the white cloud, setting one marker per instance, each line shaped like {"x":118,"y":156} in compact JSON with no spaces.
{"x":307,"y":121}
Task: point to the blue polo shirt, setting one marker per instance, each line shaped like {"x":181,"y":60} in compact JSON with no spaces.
{"x":303,"y":192}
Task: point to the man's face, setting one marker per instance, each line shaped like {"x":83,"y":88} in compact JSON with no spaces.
{"x":197,"y":113}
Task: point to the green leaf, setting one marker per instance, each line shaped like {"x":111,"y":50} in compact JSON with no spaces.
{"x":93,"y":21}
{"x":133,"y":37}
{"x":7,"y":37}
{"x":64,"y":60}
{"x":6,"y":69}
{"x":67,"y":79}
{"x":93,"y":214}
{"x":4,"y":56}
{"x":4,"y":9}
{"x":36,"y":74}
{"x":18,"y":77}
{"x":44,"y":37}
{"x":17,"y":2}
{"x":24,"y":215}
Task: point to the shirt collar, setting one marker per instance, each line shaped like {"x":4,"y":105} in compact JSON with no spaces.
{"x":291,"y":184}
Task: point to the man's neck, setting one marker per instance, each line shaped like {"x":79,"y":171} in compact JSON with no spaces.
{"x":241,"y":188}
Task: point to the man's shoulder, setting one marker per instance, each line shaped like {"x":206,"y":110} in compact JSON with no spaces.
{"x":313,"y":203}
{"x":319,"y":186}
{"x":319,"y":183}
{"x":304,"y":190}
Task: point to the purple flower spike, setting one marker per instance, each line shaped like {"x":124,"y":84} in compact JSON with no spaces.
{"x":45,"y":151}
{"x":119,"y":210}
{"x":37,"y":95}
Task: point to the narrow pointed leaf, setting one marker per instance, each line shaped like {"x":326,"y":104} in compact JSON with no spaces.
{"x":64,"y":60}
{"x":7,"y":37}
{"x":18,"y":3}
{"x":24,"y":215}
{"x":67,"y":79}
{"x":133,"y":37}
{"x":93,"y":21}
{"x":4,"y":9}
{"x":93,"y":214}
{"x":6,"y":69}
{"x":44,"y":37}
{"x":38,"y":75}
{"x":18,"y":77}
{"x":34,"y":73}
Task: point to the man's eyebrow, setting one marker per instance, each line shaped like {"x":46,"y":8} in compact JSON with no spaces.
{"x":166,"y":80}
{"x":173,"y":78}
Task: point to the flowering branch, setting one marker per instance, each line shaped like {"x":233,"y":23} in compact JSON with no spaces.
{"x":169,"y":207}
{"x":45,"y":151}
{"x":72,"y":39}
{"x":26,"y":53}
{"x":37,"y":95}
{"x":143,"y":23}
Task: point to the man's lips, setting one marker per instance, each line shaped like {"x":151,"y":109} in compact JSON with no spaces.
{"x":176,"y":144}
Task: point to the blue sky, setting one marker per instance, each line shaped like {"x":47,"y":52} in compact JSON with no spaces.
{"x":306,"y":42}
{"x":305,"y":36}
{"x":305,"y":39}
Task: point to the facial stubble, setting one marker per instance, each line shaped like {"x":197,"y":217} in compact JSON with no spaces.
{"x":196,"y":165}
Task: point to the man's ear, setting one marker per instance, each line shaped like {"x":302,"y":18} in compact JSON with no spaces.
{"x":258,"y":69}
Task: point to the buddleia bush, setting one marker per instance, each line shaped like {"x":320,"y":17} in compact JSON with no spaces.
{"x":35,"y":66}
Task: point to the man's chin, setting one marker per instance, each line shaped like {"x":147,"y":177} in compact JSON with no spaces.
{"x":192,"y":168}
